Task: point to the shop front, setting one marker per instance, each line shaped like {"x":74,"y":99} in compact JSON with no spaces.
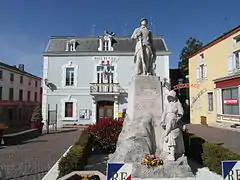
{"x":227,"y":98}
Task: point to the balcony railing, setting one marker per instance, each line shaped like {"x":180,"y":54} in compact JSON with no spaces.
{"x":105,"y":88}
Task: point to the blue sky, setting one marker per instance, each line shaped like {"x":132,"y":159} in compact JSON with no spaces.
{"x":25,"y":25}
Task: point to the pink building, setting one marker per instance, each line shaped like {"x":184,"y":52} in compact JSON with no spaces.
{"x":20,"y":92}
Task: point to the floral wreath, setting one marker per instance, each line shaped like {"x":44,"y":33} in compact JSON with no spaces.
{"x":150,"y":160}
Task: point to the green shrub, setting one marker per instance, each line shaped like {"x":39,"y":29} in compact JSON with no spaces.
{"x":37,"y":114}
{"x":77,"y":157}
{"x":214,"y":154}
{"x":207,"y":154}
{"x":195,"y":148}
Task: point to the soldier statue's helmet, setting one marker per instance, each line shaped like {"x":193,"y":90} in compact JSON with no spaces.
{"x":144,"y":19}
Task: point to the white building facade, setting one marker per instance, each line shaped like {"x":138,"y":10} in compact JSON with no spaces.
{"x":88,"y":78}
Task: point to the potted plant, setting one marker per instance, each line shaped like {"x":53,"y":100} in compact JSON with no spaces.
{"x":36,"y":119}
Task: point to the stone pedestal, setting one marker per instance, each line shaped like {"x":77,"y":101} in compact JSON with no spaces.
{"x":145,"y":96}
{"x":142,"y":133}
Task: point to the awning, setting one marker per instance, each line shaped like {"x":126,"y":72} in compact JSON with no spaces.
{"x":227,"y":81}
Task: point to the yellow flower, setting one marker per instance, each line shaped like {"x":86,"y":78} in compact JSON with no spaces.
{"x":85,"y":177}
{"x":145,"y":160}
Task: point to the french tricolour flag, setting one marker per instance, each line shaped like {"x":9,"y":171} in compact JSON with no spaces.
{"x":119,"y":171}
{"x":231,"y":170}
{"x":107,"y":62}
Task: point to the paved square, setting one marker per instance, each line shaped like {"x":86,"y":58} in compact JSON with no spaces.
{"x":32,"y":159}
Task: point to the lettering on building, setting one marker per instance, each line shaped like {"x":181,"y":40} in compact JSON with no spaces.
{"x":181,"y":86}
{"x":196,"y":99}
{"x":105,"y":58}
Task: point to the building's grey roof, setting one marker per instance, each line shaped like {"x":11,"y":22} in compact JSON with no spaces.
{"x":17,"y":70}
{"x":91,"y":44}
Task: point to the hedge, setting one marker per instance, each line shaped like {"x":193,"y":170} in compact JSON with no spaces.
{"x":77,"y":157}
{"x":208,"y":154}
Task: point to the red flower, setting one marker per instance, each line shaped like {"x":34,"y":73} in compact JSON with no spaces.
{"x":105,"y":134}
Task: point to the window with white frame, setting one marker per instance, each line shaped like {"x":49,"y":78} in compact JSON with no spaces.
{"x":69,"y":81}
{"x":68,"y":109}
{"x":201,"y":68}
{"x":71,"y":45}
{"x":105,"y":72}
{"x":105,"y":45}
{"x":210,"y":101}
{"x":234,"y":62}
{"x":230,"y":101}
{"x":201,"y":72}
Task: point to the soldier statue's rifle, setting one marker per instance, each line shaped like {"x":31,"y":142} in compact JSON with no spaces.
{"x":142,"y":55}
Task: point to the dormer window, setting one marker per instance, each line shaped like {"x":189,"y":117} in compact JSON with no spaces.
{"x":71,"y":45}
{"x":106,"y":42}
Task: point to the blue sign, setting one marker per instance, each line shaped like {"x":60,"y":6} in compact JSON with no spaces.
{"x":231,"y":170}
{"x":119,"y":171}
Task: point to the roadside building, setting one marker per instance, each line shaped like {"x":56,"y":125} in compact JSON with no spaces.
{"x":87,"y":78}
{"x":216,"y":69}
{"x":20,"y":92}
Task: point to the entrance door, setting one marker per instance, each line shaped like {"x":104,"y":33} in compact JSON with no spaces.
{"x":104,"y":109}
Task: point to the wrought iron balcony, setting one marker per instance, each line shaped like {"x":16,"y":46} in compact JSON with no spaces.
{"x":105,"y":88}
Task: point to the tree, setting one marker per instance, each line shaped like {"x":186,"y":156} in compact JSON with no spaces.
{"x":192,"y":46}
{"x":37,"y":114}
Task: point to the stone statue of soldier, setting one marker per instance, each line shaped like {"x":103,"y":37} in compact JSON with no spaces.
{"x":145,"y":56}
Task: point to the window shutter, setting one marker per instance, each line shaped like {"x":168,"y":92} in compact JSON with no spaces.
{"x":87,"y":114}
{"x":218,"y":100}
{"x":198,"y":74}
{"x":205,"y":71}
{"x":230,"y":63}
{"x":234,"y":61}
{"x":208,"y":101}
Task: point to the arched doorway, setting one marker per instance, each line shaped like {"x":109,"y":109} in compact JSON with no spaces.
{"x":105,"y":109}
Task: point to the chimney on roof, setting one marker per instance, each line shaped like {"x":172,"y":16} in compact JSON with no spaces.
{"x":21,"y":67}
